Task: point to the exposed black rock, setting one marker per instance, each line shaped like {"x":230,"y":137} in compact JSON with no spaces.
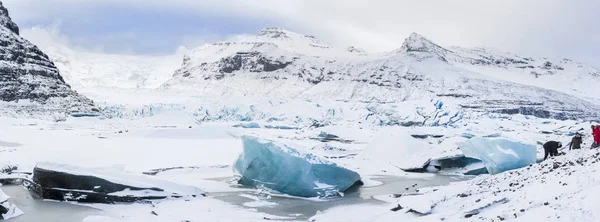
{"x":251,"y":61}
{"x":6,"y":21}
{"x":26,"y":73}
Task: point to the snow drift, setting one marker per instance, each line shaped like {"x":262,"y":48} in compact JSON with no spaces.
{"x":499,"y":155}
{"x":279,"y":167}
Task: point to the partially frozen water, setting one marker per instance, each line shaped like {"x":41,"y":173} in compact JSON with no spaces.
{"x":303,"y":208}
{"x":39,"y":210}
{"x":9,"y":144}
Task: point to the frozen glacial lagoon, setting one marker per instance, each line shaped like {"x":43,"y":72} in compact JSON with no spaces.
{"x":303,"y":208}
{"x":293,"y":208}
{"x":39,"y":210}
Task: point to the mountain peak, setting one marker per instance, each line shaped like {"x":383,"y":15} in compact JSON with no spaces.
{"x":418,"y":43}
{"x":274,"y":32}
{"x":6,"y":21}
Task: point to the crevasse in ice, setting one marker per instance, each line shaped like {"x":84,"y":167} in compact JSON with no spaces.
{"x":499,"y":155}
{"x":276,"y":166}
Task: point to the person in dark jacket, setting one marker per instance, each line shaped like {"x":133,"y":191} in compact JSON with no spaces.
{"x":576,"y":142}
{"x":551,"y":148}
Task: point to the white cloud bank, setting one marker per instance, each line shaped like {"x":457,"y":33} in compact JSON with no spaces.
{"x":565,"y":28}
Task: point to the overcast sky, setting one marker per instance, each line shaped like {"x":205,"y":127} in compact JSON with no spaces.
{"x":561,"y":28}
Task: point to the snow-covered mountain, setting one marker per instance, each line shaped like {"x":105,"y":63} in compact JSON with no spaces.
{"x":29,"y":81}
{"x":277,"y":63}
{"x":282,"y":64}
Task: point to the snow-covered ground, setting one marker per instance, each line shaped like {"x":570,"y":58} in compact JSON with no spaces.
{"x":375,"y":114}
{"x":204,"y":150}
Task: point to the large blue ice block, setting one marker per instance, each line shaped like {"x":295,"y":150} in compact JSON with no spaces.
{"x":290,"y":171}
{"x":499,"y":155}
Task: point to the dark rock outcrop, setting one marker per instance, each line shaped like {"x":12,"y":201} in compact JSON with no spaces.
{"x":27,"y":74}
{"x":251,"y":61}
{"x":6,"y":21}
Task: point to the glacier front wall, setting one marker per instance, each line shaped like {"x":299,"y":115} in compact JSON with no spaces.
{"x":265,"y":163}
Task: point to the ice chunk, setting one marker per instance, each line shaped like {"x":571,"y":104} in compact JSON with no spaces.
{"x":282,"y":127}
{"x":451,"y":164}
{"x":8,"y":210}
{"x":499,"y":155}
{"x":493,"y":135}
{"x":250,"y":125}
{"x":328,"y":137}
{"x":290,"y":171}
{"x":467,"y":135}
{"x":70,"y":183}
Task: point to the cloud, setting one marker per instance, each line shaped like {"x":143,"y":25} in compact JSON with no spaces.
{"x":566,"y":28}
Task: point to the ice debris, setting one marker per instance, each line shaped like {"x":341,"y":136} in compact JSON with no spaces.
{"x":8,"y":210}
{"x":451,"y":164}
{"x":499,"y":155}
{"x":279,"y":167}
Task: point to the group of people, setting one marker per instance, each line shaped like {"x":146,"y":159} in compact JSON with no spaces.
{"x":551,"y":147}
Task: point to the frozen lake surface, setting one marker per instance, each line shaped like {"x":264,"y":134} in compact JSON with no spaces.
{"x":278,"y":205}
{"x":40,"y":210}
{"x":304,"y":208}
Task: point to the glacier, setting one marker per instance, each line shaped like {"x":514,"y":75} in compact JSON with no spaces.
{"x":279,"y":167}
{"x":499,"y":155}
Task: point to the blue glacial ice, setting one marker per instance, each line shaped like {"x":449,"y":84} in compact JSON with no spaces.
{"x":279,"y":167}
{"x":499,"y":155}
{"x":249,"y":125}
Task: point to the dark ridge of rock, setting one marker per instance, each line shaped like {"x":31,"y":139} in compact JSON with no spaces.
{"x":26,"y":73}
{"x":251,"y":61}
{"x":6,"y":21}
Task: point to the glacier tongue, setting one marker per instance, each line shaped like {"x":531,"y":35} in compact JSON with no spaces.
{"x":279,"y":167}
{"x":499,"y":155}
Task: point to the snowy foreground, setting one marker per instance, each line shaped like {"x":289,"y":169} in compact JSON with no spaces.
{"x":175,"y":145}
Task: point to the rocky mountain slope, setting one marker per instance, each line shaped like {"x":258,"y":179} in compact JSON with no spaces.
{"x":30,"y":84}
{"x":284,"y":64}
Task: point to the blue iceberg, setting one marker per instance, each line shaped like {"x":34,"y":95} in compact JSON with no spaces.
{"x":499,"y":155}
{"x":268,"y":164}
